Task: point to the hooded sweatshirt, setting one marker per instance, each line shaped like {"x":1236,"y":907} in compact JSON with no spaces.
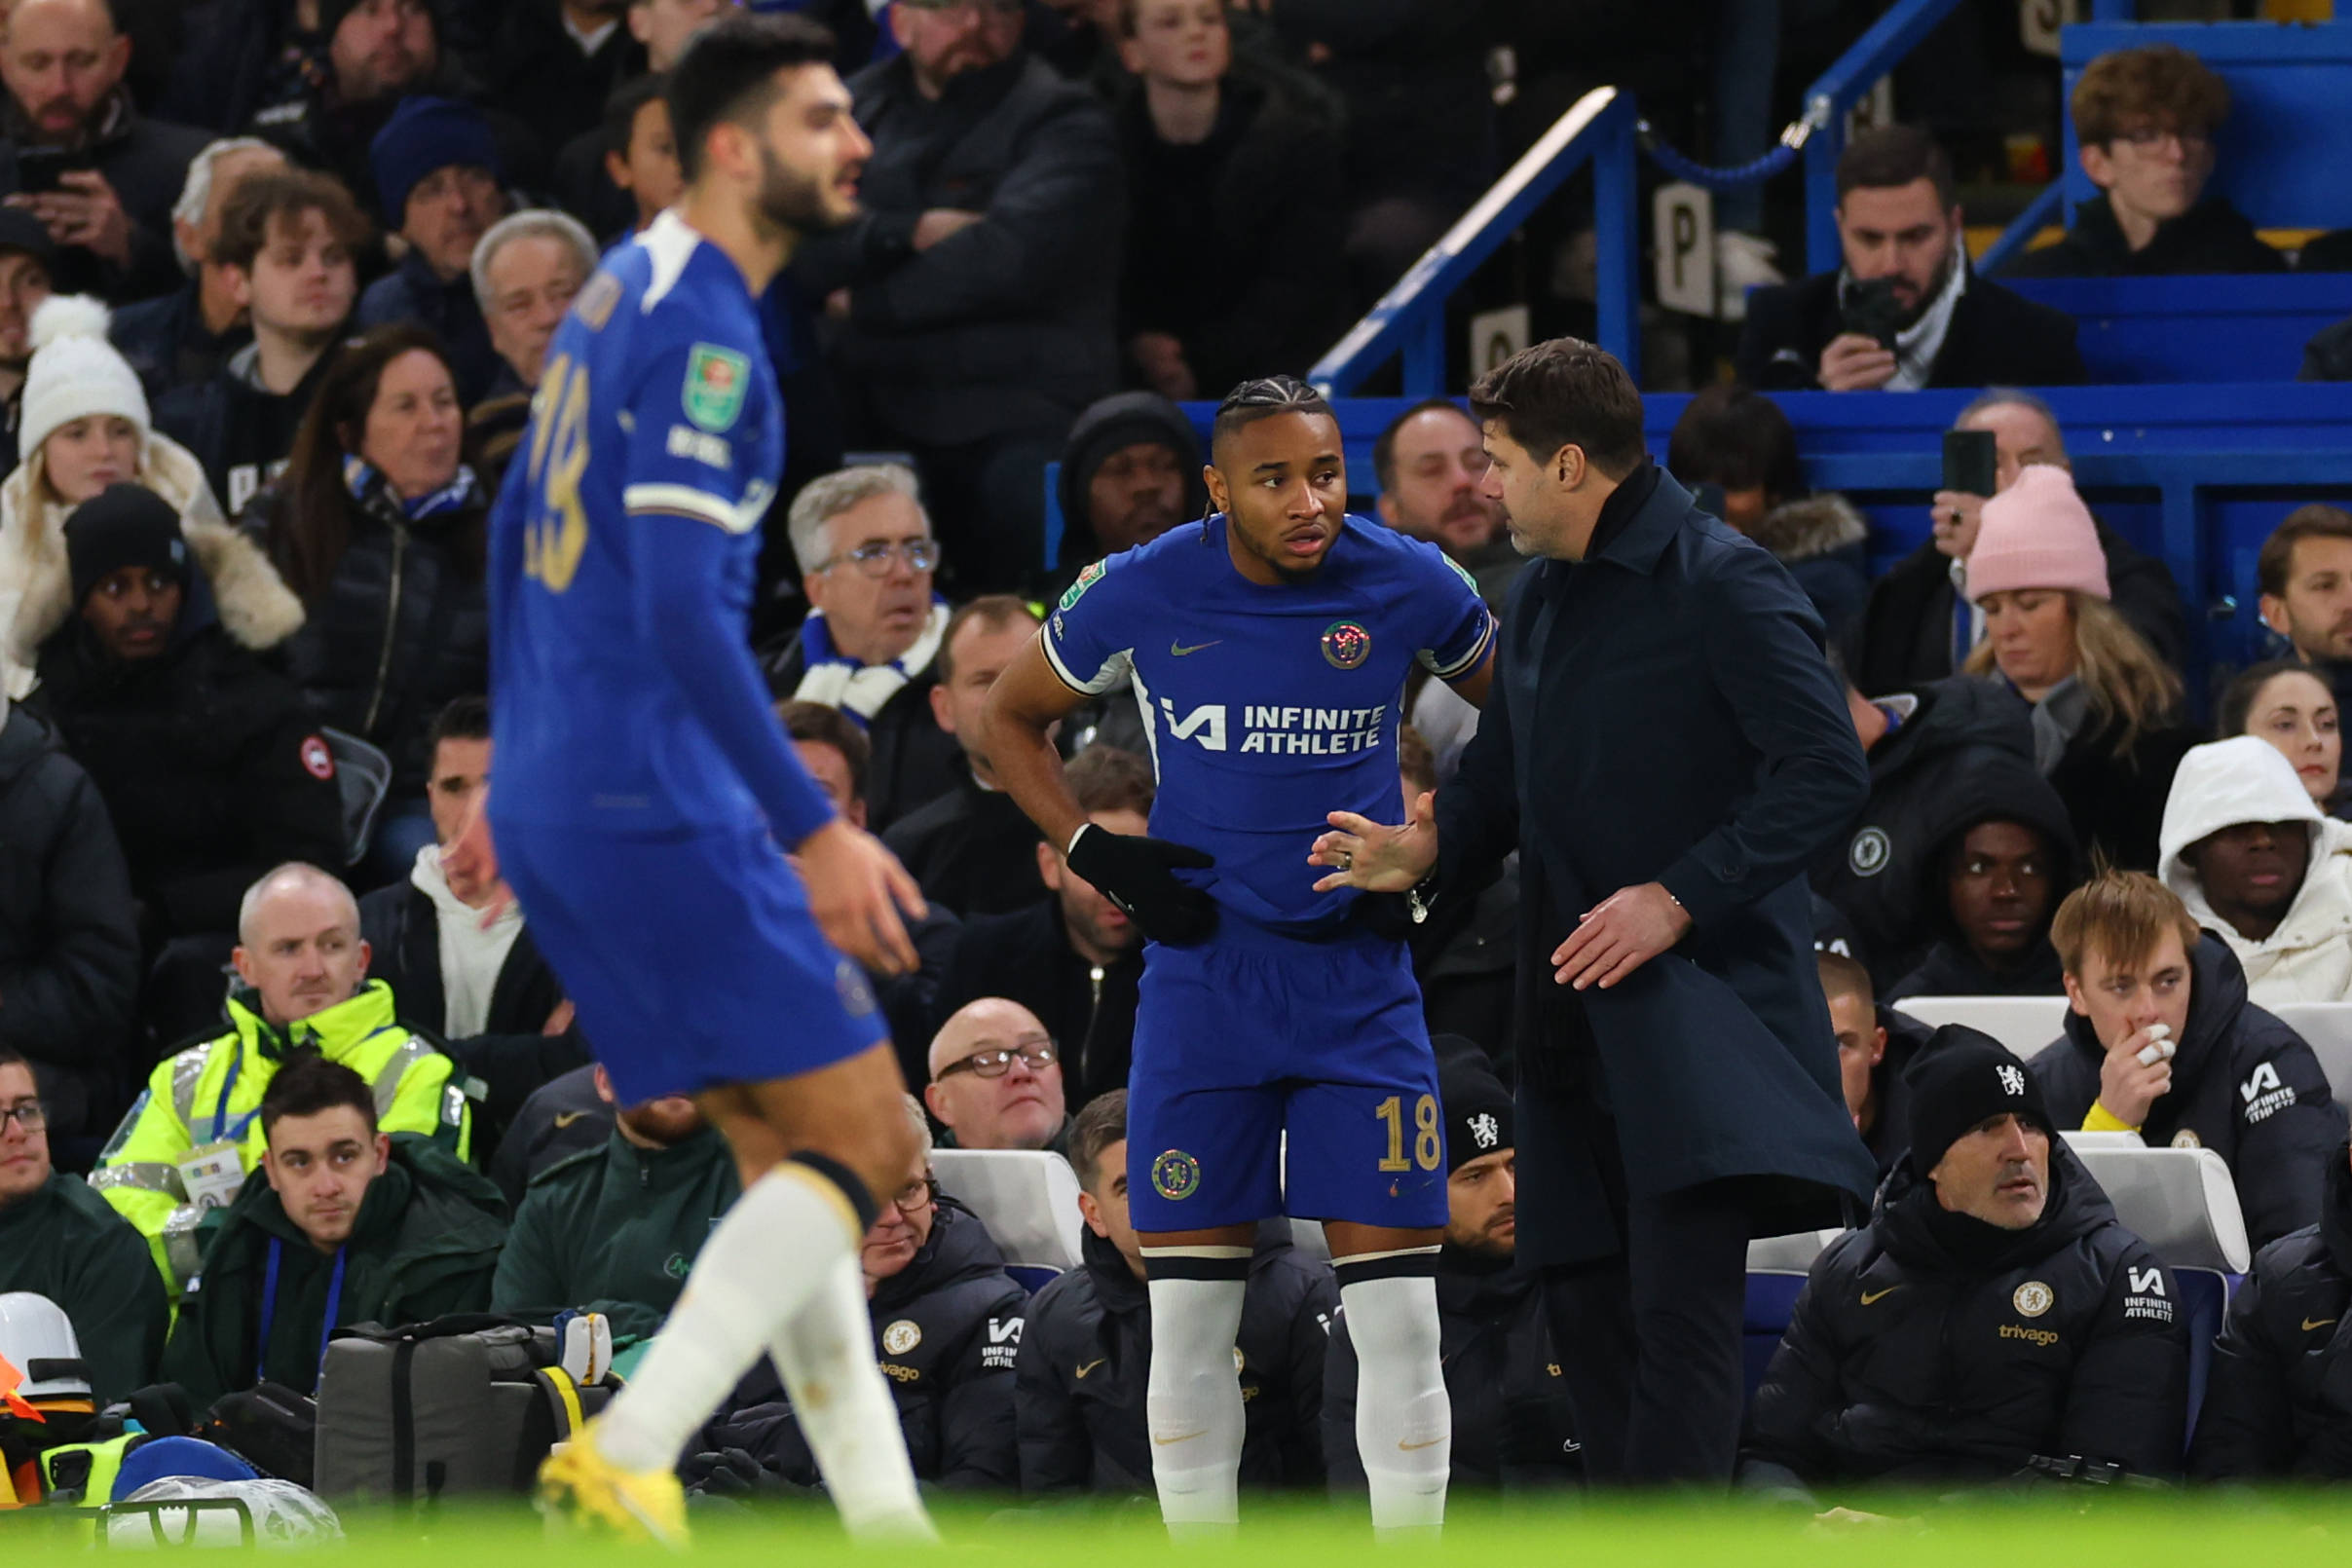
{"x":2308,"y":959}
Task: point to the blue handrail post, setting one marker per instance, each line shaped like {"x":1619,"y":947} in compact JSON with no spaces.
{"x":1617,"y":235}
{"x":1823,"y":251}
{"x":1424,"y":349}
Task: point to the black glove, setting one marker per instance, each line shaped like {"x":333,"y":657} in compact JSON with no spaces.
{"x":1137,"y":874}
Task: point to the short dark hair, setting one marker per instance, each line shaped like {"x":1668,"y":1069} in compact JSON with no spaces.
{"x":1384,"y":448}
{"x":1099,"y":1123}
{"x":1888,"y":156}
{"x":992,"y":609}
{"x":1565,"y":393}
{"x":729,"y":73}
{"x":11,"y":1056}
{"x":821,"y":724}
{"x":310,"y":1084}
{"x":266,"y":196}
{"x":2312,"y":520}
{"x":2236,"y":706}
{"x":1264,"y":397}
{"x":1842,"y":976}
{"x":1110,"y":778}
{"x":1737,"y":437}
{"x":622,"y":104}
{"x":465,"y":718}
{"x":2162,"y":84}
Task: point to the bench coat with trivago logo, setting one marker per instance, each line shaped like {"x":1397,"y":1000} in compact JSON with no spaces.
{"x":2243,"y":1085}
{"x":1929,"y":1346}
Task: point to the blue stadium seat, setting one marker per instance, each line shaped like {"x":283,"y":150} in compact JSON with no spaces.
{"x":1772,"y":1300}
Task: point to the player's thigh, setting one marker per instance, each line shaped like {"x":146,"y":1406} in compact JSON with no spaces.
{"x":1203,"y":1158}
{"x":853,"y":1112}
{"x":1368,"y":1140}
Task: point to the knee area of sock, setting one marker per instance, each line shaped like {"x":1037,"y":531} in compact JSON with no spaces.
{"x":1393,"y":1322}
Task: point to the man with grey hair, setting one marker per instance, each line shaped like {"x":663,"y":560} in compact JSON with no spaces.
{"x":1918,"y":627}
{"x":526,"y":269}
{"x":195,"y":1134}
{"x":188,"y":335}
{"x":870,"y":642}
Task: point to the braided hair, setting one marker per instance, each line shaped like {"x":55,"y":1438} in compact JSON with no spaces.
{"x":1263,"y":398}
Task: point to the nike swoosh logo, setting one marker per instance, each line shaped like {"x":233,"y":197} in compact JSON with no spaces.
{"x":1179,"y":649}
{"x":2322,"y":1323}
{"x":1091,"y":1365}
{"x":1871,"y":1297}
{"x":564,"y":1118}
{"x":1409,"y":1448}
{"x":1181,"y":1436}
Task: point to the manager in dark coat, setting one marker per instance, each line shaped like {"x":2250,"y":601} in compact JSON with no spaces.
{"x":1668,"y":751}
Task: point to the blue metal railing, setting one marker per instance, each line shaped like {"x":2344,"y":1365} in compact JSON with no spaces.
{"x":1410,"y":318}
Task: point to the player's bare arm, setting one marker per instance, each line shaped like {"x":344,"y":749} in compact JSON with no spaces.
{"x":857,"y":891}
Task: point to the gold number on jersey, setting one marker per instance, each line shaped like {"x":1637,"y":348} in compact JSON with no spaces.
{"x":554,"y":540}
{"x":1429,"y":1149}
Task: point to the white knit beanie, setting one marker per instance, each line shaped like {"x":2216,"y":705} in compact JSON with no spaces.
{"x":75,"y":373}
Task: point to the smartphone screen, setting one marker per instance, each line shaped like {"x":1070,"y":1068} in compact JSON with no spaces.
{"x":1969,"y":462}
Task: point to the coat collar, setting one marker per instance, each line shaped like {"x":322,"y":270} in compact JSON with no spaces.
{"x":1641,"y":519}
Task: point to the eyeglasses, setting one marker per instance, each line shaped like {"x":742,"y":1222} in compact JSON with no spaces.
{"x":1036,"y":1055}
{"x":28,"y":1113}
{"x":2147,"y":139}
{"x":874,"y":558}
{"x":916,"y":1195}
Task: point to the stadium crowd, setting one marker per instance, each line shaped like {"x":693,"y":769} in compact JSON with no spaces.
{"x":273,"y":312}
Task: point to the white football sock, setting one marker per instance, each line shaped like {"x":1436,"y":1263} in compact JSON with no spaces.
{"x":1193,"y":1402}
{"x":757,"y":1270}
{"x":827,"y":1359}
{"x":1404,"y":1424}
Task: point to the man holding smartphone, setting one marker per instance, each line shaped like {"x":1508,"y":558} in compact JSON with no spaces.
{"x":100,"y":178}
{"x":1918,"y":627}
{"x":1905,"y":311}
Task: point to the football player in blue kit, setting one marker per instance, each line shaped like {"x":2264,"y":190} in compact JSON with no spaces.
{"x":1268,"y":647}
{"x":646,"y":793}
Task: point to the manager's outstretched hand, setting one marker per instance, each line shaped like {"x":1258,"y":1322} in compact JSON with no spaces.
{"x":1376,"y":857}
{"x":1619,"y":935}
{"x":856,"y":889}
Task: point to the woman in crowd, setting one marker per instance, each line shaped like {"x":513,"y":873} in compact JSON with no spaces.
{"x":2107,"y":710}
{"x":1736,"y":439}
{"x":381,"y":528}
{"x":2284,"y":703}
{"x":84,"y":426}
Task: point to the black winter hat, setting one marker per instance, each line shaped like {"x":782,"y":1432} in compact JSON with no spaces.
{"x":123,"y":525}
{"x":1122,"y":420}
{"x":1960,"y":1078}
{"x":1476,"y":1106}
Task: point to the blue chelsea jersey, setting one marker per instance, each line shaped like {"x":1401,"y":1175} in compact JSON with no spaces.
{"x":1268,"y":707}
{"x":657,"y":400}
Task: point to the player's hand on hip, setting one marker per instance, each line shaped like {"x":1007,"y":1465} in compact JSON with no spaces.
{"x":1139,"y":874}
{"x":1376,"y":857}
{"x":857,"y":891}
{"x":1619,"y":935}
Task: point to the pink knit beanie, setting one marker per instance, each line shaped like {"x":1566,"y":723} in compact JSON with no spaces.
{"x":2037,"y":533}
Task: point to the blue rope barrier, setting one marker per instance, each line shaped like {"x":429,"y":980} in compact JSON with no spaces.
{"x":1752,"y":172}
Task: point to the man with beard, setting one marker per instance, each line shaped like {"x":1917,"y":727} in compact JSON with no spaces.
{"x":1430,"y":463}
{"x":1131,"y":471}
{"x":699,"y":960}
{"x":2305,"y":573}
{"x":1992,"y":1312}
{"x":616,"y":1229}
{"x":100,"y":178}
{"x":1513,"y":1430}
{"x":439,"y":184}
{"x":1905,"y":310}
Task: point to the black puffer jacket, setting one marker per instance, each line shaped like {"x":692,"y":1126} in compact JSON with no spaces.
{"x":1968,"y":748}
{"x":2278,"y":1403}
{"x":402,"y":627}
{"x":211,"y":768}
{"x":948,"y":1326}
{"x":2243,"y":1085}
{"x":69,"y":954}
{"x":1086,"y":1361}
{"x":1513,"y":1430}
{"x":1906,"y":1364}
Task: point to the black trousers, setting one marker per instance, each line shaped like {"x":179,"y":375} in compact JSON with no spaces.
{"x":1649,"y":1338}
